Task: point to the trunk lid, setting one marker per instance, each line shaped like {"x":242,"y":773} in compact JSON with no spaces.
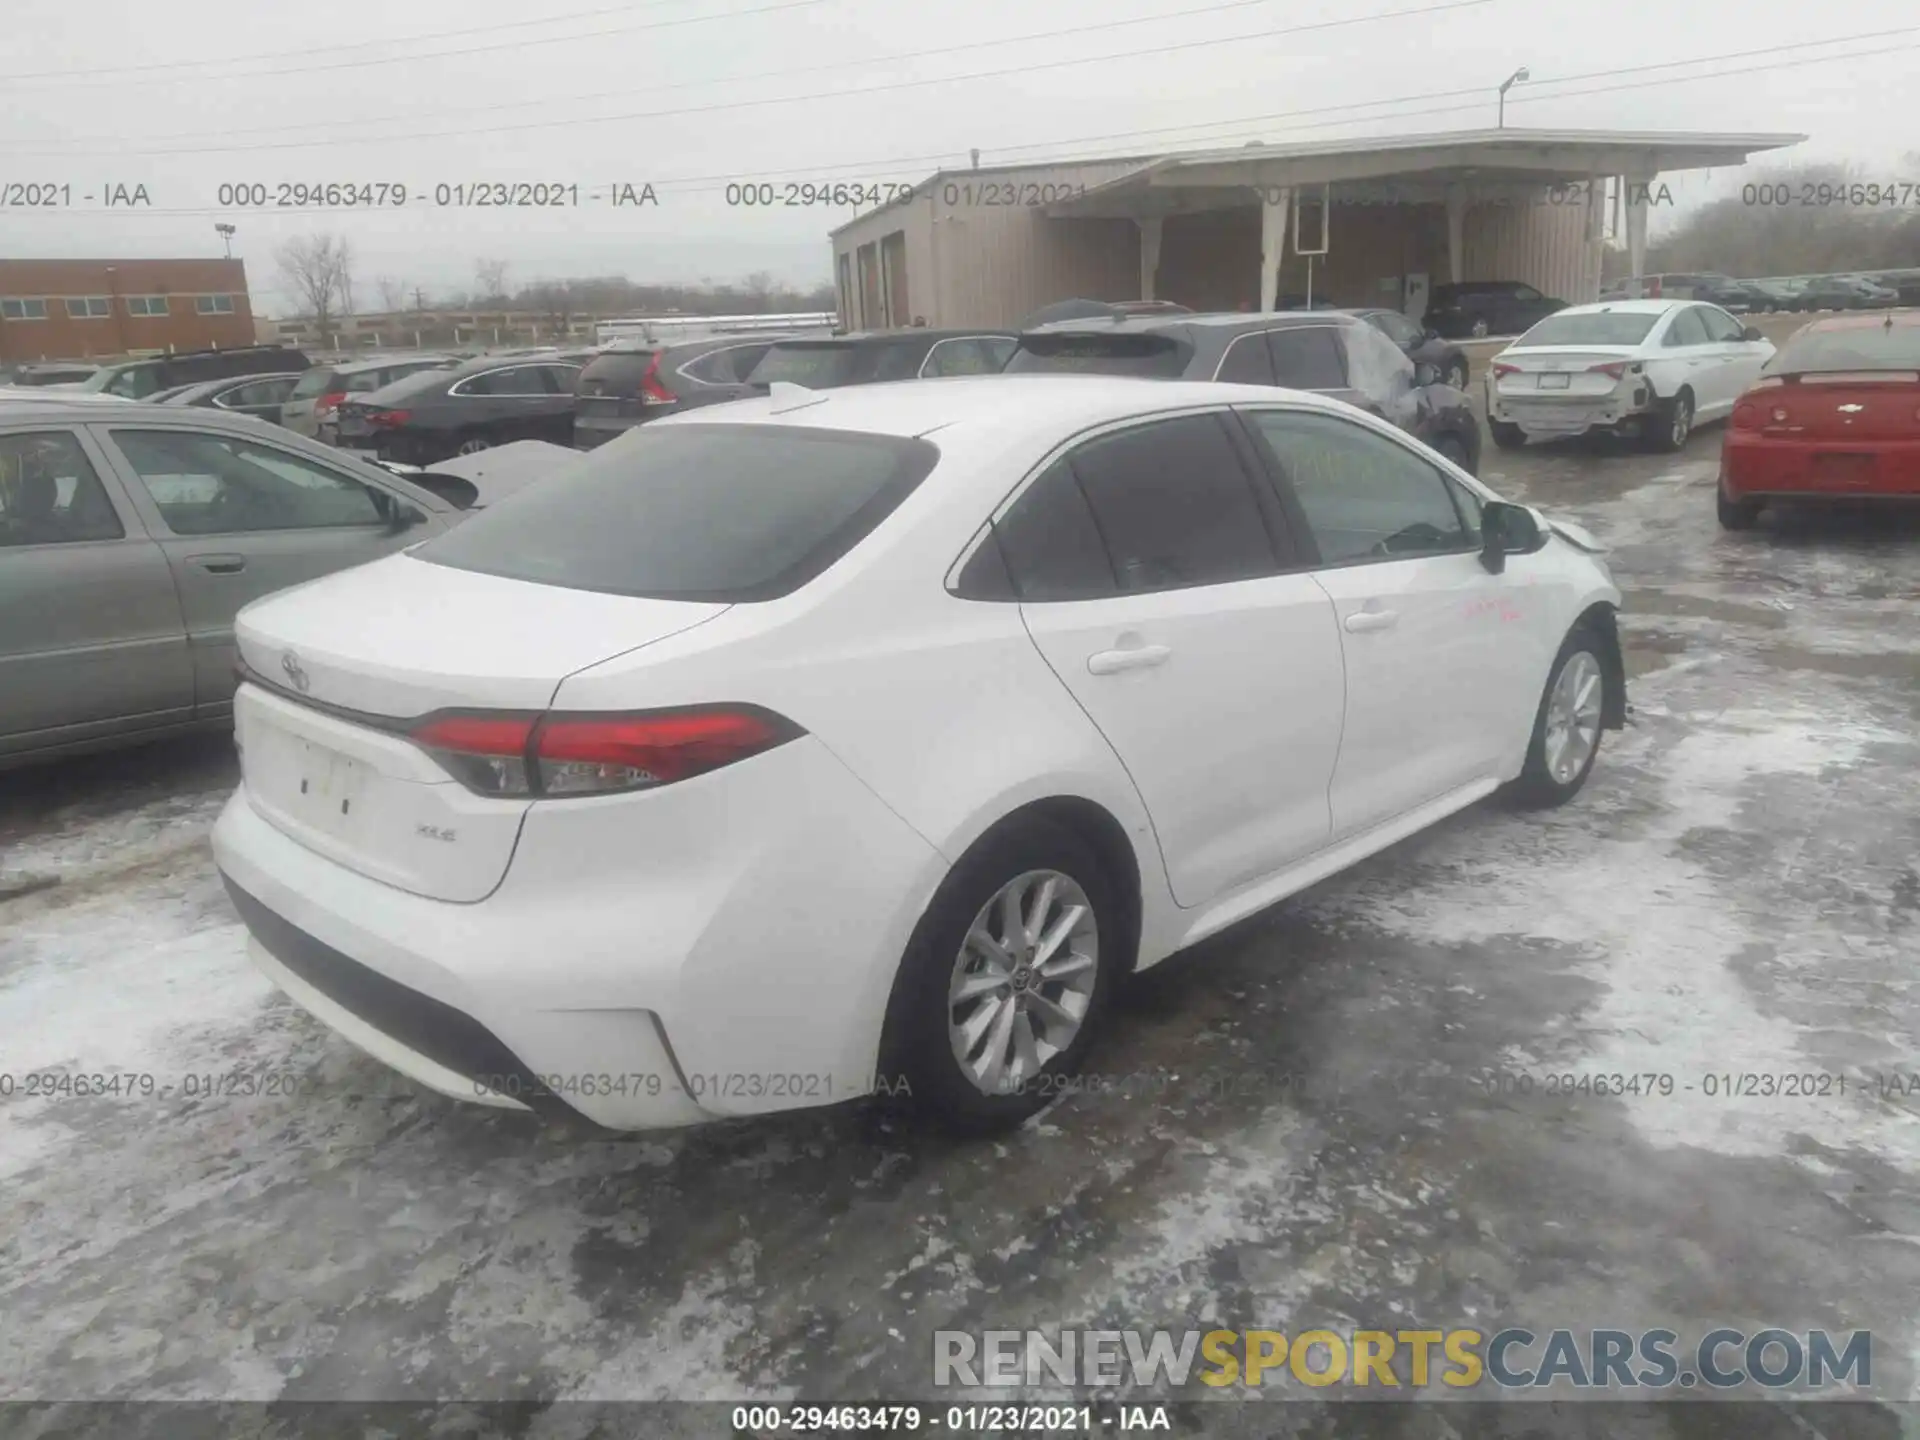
{"x":1552,"y":372}
{"x":345,"y":663}
{"x":1841,"y":409}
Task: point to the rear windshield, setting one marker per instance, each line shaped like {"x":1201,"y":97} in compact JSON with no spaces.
{"x":720,"y":513}
{"x":616,"y":372}
{"x":314,"y":382}
{"x":1870,"y":347}
{"x":821,"y":367}
{"x":1616,"y":327}
{"x":1152,"y":357}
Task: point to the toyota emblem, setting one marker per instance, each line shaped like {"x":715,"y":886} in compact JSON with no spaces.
{"x":296,"y":672}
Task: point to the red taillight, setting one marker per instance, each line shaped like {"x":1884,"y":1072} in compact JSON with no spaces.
{"x":328,"y":403}
{"x":653,"y":390}
{"x":560,"y":755}
{"x":1745,"y":416}
{"x":1499,"y":370}
{"x":388,"y":417}
{"x":1613,"y":369}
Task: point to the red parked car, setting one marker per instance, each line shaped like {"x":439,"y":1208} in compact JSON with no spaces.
{"x":1835,"y":415}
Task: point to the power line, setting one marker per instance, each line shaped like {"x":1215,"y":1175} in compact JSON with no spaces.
{"x":890,"y":86}
{"x":1073,"y":31}
{"x":92,"y":71}
{"x":414,"y":59}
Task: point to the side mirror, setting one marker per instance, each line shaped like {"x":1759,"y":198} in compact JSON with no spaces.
{"x":1750,"y":334}
{"x":405,"y":517}
{"x":1506,"y":530}
{"x":1425,"y":374}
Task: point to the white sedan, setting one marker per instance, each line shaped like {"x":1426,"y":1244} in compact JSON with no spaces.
{"x":1649,"y":369}
{"x":780,"y":752}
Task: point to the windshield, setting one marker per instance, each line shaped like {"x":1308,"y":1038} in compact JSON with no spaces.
{"x":1868,"y":347}
{"x":1152,"y":357}
{"x":1597,"y":327}
{"x":694,"y":512}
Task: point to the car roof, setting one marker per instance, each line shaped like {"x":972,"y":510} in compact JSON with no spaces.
{"x":233,"y":382}
{"x":381,"y":362}
{"x":1009,"y":405}
{"x":101,"y":407}
{"x":1212,"y":320}
{"x":892,"y":337}
{"x":1625,"y":307}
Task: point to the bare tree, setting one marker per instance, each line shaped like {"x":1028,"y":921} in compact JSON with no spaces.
{"x":393,"y":293}
{"x":554,"y":301}
{"x":318,"y":269}
{"x":492,"y":276}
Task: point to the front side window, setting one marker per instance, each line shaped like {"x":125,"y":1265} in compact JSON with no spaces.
{"x":1307,"y":357}
{"x":1365,"y":497}
{"x":1174,"y":505}
{"x":1685,"y":329}
{"x":215,"y":485}
{"x":1722,"y":328}
{"x":136,"y":382}
{"x":1376,"y":367}
{"x":1526,"y":292}
{"x":49,"y":493}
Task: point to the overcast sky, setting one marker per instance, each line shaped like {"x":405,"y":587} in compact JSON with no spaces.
{"x":689,"y":94}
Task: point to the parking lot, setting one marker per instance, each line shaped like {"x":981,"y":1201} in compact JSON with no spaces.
{"x":1352,"y":1110}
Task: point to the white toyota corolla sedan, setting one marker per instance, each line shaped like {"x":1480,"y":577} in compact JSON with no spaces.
{"x":822,"y":743}
{"x":1645,"y":369}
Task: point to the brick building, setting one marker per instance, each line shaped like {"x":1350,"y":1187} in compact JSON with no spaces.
{"x":89,"y":309}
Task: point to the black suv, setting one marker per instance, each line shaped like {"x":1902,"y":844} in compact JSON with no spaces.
{"x":137,"y":379}
{"x":1325,"y":351}
{"x":633,"y":381}
{"x":869,"y":357}
{"x":1487,"y":307}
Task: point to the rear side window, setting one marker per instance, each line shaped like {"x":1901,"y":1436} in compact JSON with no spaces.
{"x":312,"y":384}
{"x":819,"y":367}
{"x":1174,"y":505}
{"x":721,"y":513}
{"x":1866,"y":347}
{"x":719,"y":367}
{"x":1247,"y":362}
{"x":1307,"y":357}
{"x":1052,"y":546}
{"x":1151,"y":356}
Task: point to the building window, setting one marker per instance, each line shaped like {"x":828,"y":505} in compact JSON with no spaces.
{"x":146,"y":304}
{"x":89,"y":307}
{"x":213,"y":304}
{"x":21,"y":309}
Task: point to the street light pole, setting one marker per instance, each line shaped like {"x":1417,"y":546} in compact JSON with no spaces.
{"x":226,"y":237}
{"x":1518,"y":77}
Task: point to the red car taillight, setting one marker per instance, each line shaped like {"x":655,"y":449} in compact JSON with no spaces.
{"x":388,"y":417}
{"x":653,"y":390}
{"x":324,"y":407}
{"x":1499,"y":370}
{"x":1746,"y":416}
{"x":1613,"y":369}
{"x":563,"y":755}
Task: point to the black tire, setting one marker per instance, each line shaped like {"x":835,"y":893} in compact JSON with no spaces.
{"x":1457,"y":373}
{"x":918,"y":1063}
{"x":1734,"y":514}
{"x":1538,"y":788}
{"x":1507,"y":437}
{"x":1672,"y":424}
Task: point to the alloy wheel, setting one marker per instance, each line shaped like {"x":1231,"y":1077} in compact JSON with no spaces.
{"x":473,"y":446}
{"x":1023,"y":981}
{"x":1573,"y":717}
{"x":1682,"y":421}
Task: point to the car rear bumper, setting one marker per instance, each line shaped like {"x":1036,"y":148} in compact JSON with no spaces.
{"x":730,"y":955}
{"x":1758,"y":467}
{"x":1624,"y":410}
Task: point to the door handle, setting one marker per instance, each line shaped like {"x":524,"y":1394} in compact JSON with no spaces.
{"x":219,"y":564}
{"x":1362,"y":621}
{"x":1112,"y":662}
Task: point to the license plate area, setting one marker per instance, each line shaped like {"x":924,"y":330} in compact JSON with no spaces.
{"x":1555,"y":380}
{"x":1843,"y":469}
{"x":324,"y":788}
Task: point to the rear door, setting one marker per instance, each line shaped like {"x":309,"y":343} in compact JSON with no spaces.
{"x":1442,"y":659}
{"x":1741,"y":359}
{"x":261,"y":399}
{"x":1686,"y":355}
{"x":91,"y":637}
{"x":240,"y":518}
{"x":1156,"y":575}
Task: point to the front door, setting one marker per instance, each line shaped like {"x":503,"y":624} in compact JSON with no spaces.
{"x":1155,"y":577}
{"x":238,"y":519}
{"x":1440,"y":655}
